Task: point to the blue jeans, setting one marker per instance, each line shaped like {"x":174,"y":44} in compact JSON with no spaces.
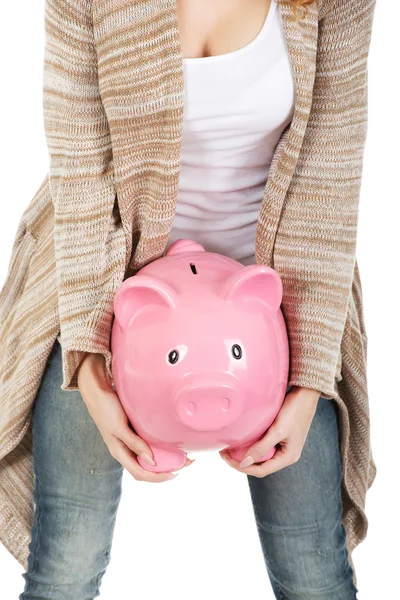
{"x":78,"y":488}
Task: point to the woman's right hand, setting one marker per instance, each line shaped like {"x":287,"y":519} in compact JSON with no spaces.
{"x":107,"y":412}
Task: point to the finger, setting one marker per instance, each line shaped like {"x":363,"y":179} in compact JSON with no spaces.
{"x":224,"y":453}
{"x":135,"y":443}
{"x":139,"y":446}
{"x":188,"y":462}
{"x":128,"y":460}
{"x":261,"y":447}
{"x":278,"y":461}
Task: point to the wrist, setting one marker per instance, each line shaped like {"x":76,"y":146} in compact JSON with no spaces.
{"x":92,"y":372}
{"x":306,"y":393}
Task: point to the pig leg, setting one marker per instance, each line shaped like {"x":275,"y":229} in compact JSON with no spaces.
{"x":240,"y":452}
{"x":166,"y":460}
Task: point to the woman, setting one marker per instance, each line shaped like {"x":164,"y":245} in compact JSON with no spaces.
{"x":273,"y":118}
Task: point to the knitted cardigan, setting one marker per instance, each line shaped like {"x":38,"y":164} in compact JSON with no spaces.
{"x":113,"y":97}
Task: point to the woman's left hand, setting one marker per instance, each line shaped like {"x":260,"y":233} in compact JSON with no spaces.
{"x":289,"y":429}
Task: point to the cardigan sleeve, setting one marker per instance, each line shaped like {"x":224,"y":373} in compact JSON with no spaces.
{"x":89,"y":241}
{"x":314,"y":251}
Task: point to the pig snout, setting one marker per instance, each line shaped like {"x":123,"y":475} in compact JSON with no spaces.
{"x":208,"y":407}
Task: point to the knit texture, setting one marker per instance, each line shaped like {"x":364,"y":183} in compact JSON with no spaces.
{"x":113,"y":98}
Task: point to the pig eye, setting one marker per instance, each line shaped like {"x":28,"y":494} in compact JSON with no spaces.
{"x":173,"y":357}
{"x":237,"y":351}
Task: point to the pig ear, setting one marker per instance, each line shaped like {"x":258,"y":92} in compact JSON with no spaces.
{"x":138,"y":292}
{"x":180,"y":246}
{"x":254,"y":281}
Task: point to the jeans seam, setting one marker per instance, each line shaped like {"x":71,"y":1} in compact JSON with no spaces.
{"x":257,"y":520}
{"x":35,"y":546}
{"x":282,"y":597}
{"x":107,"y":555}
{"x":281,"y":594}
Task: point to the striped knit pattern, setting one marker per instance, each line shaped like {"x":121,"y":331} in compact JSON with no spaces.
{"x":113,"y":101}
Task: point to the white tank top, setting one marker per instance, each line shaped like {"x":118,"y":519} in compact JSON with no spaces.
{"x":236,"y":107}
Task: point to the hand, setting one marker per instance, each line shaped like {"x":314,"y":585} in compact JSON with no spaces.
{"x":107,"y":412}
{"x":289,"y":430}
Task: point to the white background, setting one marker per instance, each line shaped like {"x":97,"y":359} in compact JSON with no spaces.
{"x":195,"y":537}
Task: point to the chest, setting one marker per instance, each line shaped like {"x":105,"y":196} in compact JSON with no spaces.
{"x":208,"y":28}
{"x":140,"y":75}
{"x":241,"y":99}
{"x":237,"y":104}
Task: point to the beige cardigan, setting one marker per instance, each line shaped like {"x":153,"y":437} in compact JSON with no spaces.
{"x":113,"y":102}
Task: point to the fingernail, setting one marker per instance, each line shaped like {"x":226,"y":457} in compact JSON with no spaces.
{"x":172,"y":476}
{"x":246,"y":462}
{"x":147,"y":459}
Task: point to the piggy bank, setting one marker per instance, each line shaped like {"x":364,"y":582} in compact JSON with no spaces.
{"x":200,"y":353}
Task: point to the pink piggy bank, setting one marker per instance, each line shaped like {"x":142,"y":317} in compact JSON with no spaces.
{"x":200,"y":353}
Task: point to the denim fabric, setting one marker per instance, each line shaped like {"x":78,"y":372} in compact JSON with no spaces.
{"x":77,"y":492}
{"x":298,"y":512}
{"x":78,"y":488}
